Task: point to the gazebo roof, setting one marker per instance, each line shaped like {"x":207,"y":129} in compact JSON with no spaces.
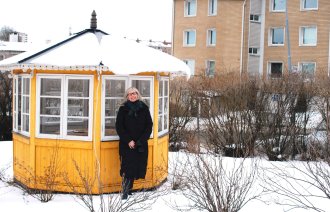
{"x":93,"y":49}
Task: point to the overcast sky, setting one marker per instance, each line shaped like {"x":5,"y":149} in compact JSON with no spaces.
{"x":51,"y":20}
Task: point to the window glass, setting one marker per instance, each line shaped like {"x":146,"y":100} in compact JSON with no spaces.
{"x":212,"y":7}
{"x":308,"y":35}
{"x":278,"y":5}
{"x":211,"y":37}
{"x":277,"y":35}
{"x":308,"y":69}
{"x":21,"y":110}
{"x":276,"y":70}
{"x":115,"y":88}
{"x":163,"y":106}
{"x":114,"y":91}
{"x":190,"y":38}
{"x":190,"y":7}
{"x":144,"y":88}
{"x":191,"y":64}
{"x":309,"y":4}
{"x":50,"y":105}
{"x":210,"y":68}
{"x":65,"y":105}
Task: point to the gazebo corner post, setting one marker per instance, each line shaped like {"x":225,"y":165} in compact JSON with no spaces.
{"x":32,"y":128}
{"x":96,"y":132}
{"x":155,"y":159}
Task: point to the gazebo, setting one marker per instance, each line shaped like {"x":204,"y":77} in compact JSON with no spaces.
{"x":65,"y":99}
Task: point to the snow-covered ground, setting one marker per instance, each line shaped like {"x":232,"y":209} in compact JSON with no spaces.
{"x":14,"y":199}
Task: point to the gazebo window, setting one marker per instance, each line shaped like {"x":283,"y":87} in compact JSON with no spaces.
{"x":64,"y":106}
{"x":163,"y":111}
{"x":21,"y":119}
{"x":113,"y":91}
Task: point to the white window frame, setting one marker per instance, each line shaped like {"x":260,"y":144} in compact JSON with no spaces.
{"x":269,"y":69}
{"x":255,"y":51}
{"x":211,"y":33}
{"x":185,"y":38}
{"x":254,"y":19}
{"x":15,"y":106}
{"x":191,"y":64}
{"x":301,"y":36}
{"x":271,"y":6}
{"x":163,"y":97}
{"x":208,"y":68}
{"x":128,"y":83}
{"x":64,"y":107}
{"x":300,"y":64}
{"x":303,"y":8}
{"x":188,"y":13}
{"x":212,"y":7}
{"x":270,"y":36}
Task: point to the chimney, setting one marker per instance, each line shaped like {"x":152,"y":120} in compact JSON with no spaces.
{"x":93,"y":20}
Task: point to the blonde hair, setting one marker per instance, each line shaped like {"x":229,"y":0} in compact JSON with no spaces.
{"x":131,"y":90}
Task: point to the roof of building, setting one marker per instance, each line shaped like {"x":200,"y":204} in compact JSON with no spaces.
{"x":15,"y":46}
{"x":93,"y":49}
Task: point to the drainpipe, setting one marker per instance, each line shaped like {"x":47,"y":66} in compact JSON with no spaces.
{"x":329,"y":56}
{"x":242,"y":39}
{"x":288,"y":36}
{"x":172,"y":36}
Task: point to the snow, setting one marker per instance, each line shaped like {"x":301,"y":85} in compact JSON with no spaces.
{"x":14,"y":199}
{"x":89,"y":50}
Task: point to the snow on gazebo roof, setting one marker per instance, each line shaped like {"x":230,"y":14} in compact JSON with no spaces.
{"x":93,"y":49}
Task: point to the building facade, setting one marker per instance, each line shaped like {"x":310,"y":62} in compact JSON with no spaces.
{"x":258,"y":37}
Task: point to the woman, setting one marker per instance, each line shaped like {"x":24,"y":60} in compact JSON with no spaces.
{"x":134,"y":126}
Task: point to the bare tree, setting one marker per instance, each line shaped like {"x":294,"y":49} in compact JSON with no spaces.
{"x":5,"y":32}
{"x":5,"y":106}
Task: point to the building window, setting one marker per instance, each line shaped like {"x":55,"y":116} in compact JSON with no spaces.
{"x":308,"y":36}
{"x":254,"y":18}
{"x":163,"y":111}
{"x":211,"y":37}
{"x":213,"y":7}
{"x":307,"y":69}
{"x":190,"y":7}
{"x":21,"y":110}
{"x":191,"y":64}
{"x":275,"y":69}
{"x":276,"y":36}
{"x":278,"y":5}
{"x":65,"y":107}
{"x":210,"y":68}
{"x":189,"y":38}
{"x":254,"y":51}
{"x":309,"y":4}
{"x":113,"y":91}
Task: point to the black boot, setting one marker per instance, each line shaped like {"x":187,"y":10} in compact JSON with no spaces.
{"x":131,"y":182}
{"x":127,"y":186}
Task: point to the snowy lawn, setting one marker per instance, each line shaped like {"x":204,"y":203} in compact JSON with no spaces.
{"x":14,"y":199}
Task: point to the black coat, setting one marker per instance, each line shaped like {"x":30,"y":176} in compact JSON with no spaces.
{"x":133,"y":124}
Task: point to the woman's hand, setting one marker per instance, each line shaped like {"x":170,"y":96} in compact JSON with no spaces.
{"x":131,"y":144}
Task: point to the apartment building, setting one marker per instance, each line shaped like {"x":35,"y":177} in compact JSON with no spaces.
{"x":258,"y":37}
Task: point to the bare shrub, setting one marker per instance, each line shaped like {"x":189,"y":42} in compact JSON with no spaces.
{"x":231,"y":125}
{"x":301,"y":185}
{"x":141,"y":199}
{"x":211,"y":184}
{"x":48,"y":178}
{"x":180,"y":115}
